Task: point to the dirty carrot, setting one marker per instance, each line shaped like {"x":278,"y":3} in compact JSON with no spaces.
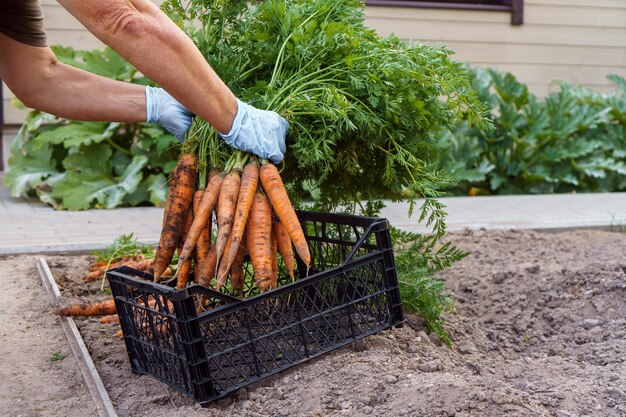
{"x":203,"y":245}
{"x":236,"y":270}
{"x":98,"y":271}
{"x":103,"y":308}
{"x":275,"y":190}
{"x":184,"y":264}
{"x":249,"y":183}
{"x":207,"y":269}
{"x":222,"y":271}
{"x":258,"y":233}
{"x":226,"y":210}
{"x":170,"y":194}
{"x":274,"y":254}
{"x":113,"y":318}
{"x":284,"y":246}
{"x":140,"y":265}
{"x":182,"y":196}
{"x":209,"y":199}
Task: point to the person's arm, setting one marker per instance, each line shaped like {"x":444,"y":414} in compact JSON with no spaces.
{"x":141,"y":33}
{"x":40,"y":81}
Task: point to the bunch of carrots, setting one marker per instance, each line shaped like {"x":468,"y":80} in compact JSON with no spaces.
{"x":253,"y":215}
{"x":247,"y":205}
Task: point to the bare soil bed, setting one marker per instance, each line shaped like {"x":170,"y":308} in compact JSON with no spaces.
{"x":539,"y":330}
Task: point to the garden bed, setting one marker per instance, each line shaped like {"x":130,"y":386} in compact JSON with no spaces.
{"x":539,"y":329}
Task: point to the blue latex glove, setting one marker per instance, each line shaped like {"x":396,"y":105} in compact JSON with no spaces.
{"x":164,"y":109}
{"x":260,"y":132}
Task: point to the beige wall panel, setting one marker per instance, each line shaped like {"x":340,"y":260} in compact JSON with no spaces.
{"x":537,"y":54}
{"x":435,"y":31}
{"x":618,"y":4}
{"x":575,"y":16}
{"x":56,"y":17}
{"x":417,"y":13}
{"x":538,"y":14}
{"x":12,"y":115}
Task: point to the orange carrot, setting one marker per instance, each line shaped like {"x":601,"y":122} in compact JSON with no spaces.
{"x":140,"y":265}
{"x":182,"y":196}
{"x":113,"y":318}
{"x":103,"y":308}
{"x":284,"y":246}
{"x":209,"y":224}
{"x":207,"y":269}
{"x":275,"y":190}
{"x":249,"y":183}
{"x":203,"y":246}
{"x":258,"y":233}
{"x":184,"y":266}
{"x":183,"y":273}
{"x":274,"y":254}
{"x":209,"y":199}
{"x":222,"y":271}
{"x":173,"y":178}
{"x":236,"y":271}
{"x":98,"y":269}
{"x":226,"y":210}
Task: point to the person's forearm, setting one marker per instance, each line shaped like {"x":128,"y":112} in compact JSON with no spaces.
{"x":149,"y":40}
{"x":80,"y":95}
{"x":38,"y":79}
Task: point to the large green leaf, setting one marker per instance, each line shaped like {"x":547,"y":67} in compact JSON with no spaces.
{"x":104,"y":62}
{"x":89,"y":179}
{"x":28,"y":169}
{"x":77,"y":133}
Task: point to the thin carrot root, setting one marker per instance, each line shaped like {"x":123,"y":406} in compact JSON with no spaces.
{"x":275,"y":190}
{"x":249,"y":183}
{"x":207,"y":269}
{"x":222,"y":271}
{"x":226,"y":210}
{"x":258,"y":240}
{"x":209,"y":199}
{"x":274,"y":254}
{"x":284,"y":246}
{"x":184,"y":264}
{"x":203,"y":246}
{"x":236,"y":271}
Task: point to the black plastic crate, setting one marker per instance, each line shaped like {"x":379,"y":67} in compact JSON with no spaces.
{"x":209,"y":344}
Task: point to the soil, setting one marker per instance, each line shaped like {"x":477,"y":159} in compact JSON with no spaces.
{"x":539,"y":330}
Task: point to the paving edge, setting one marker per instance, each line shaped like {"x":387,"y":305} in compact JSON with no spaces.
{"x":94,"y":383}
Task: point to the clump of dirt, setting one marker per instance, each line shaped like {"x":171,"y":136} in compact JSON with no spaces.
{"x":539,"y":330}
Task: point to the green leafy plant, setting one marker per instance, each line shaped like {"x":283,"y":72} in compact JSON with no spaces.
{"x":56,"y":357}
{"x":79,"y":165}
{"x":124,"y":245}
{"x":418,"y":257}
{"x":572,"y":140}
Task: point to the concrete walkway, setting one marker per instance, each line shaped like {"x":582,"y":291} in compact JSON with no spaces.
{"x":28,"y":226}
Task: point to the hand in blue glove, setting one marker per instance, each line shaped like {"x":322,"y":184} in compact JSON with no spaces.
{"x":164,"y":109}
{"x":260,"y":132}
